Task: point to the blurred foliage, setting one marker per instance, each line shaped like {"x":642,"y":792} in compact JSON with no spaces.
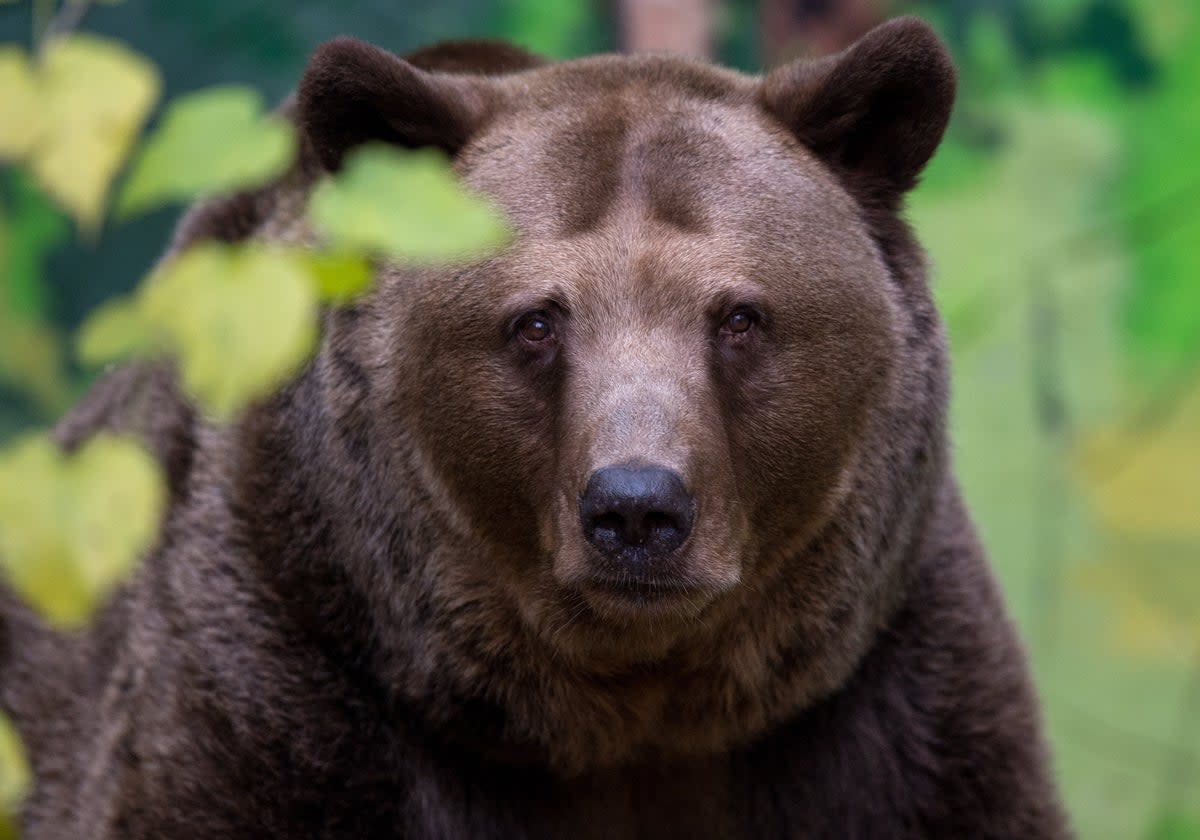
{"x":1061,"y":215}
{"x":73,"y":525}
{"x":405,"y":205}
{"x":14,"y":777}
{"x":72,"y":116}
{"x":226,"y":140}
{"x":1162,"y":309}
{"x":206,"y":309}
{"x":31,"y":355}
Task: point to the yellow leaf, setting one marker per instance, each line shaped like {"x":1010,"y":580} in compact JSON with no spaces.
{"x":14,"y":769}
{"x":241,"y":320}
{"x":94,"y":96}
{"x":31,"y":360}
{"x":71,"y":527}
{"x":1147,"y":483}
{"x":114,"y":331}
{"x":1152,"y":596}
{"x":20,"y":106}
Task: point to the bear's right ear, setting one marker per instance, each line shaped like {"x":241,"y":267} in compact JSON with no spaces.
{"x":875,"y":112}
{"x":353,"y":93}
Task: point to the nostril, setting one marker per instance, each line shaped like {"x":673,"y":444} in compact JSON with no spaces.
{"x":655,"y":522}
{"x":608,"y":524}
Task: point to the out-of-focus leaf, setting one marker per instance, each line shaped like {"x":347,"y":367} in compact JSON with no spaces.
{"x":1147,"y":483}
{"x":14,"y":776}
{"x":406,"y":206}
{"x":31,"y":361}
{"x":240,"y":320}
{"x":1156,"y":597}
{"x":35,"y":227}
{"x":339,"y":278}
{"x":14,"y":771}
{"x":1144,"y":485}
{"x":216,"y":140}
{"x":115,"y":331}
{"x":93,"y":95}
{"x":71,"y":527}
{"x":20,"y":108}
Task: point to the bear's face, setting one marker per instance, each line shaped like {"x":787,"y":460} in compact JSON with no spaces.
{"x":710,"y":331}
{"x":656,"y":396}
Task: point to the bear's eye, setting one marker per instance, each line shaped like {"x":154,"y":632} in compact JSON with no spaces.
{"x":739,"y":322}
{"x":535,"y":327}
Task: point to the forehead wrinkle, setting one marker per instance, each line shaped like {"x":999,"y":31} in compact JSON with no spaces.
{"x":661,"y":154}
{"x":671,"y":168}
{"x":753,"y":193}
{"x":566,"y":170}
{"x":583,"y":163}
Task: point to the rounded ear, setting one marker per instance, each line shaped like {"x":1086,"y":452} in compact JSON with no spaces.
{"x":874,"y":112}
{"x":353,"y":93}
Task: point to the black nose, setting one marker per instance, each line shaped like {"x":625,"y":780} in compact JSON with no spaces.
{"x":635,"y":512}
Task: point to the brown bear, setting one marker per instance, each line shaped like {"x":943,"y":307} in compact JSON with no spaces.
{"x":644,"y":527}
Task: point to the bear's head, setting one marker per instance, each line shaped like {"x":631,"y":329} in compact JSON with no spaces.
{"x":693,"y":413}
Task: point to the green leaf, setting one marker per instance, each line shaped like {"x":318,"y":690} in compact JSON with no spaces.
{"x":406,"y":206}
{"x":71,"y":527}
{"x":93,"y":95}
{"x":339,"y":278}
{"x":115,"y":331}
{"x":240,"y":320}
{"x":216,"y":140}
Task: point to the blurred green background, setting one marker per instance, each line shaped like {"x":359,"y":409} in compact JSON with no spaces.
{"x":1062,"y":216}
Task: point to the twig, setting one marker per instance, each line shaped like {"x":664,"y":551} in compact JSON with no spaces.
{"x":42,"y":13}
{"x":1054,"y":426}
{"x":65,"y":21}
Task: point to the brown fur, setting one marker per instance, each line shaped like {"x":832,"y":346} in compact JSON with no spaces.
{"x":372,"y":612}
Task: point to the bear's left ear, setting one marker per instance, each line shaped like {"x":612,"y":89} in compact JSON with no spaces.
{"x":875,"y":112}
{"x":353,"y":93}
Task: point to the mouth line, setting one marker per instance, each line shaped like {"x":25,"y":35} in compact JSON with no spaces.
{"x":640,"y":591}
